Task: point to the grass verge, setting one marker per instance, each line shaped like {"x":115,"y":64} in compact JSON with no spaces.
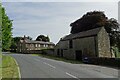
{"x":9,"y":68}
{"x":0,"y":64}
{"x":0,"y":71}
{"x":119,"y":55}
{"x":58,"y":58}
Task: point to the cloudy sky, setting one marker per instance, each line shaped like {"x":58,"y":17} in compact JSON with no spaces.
{"x":52,"y":18}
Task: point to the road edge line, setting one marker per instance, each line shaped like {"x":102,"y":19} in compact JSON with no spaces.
{"x":72,"y":75}
{"x":17,"y":68}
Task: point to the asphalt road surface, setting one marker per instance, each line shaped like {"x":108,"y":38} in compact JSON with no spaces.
{"x":39,"y":67}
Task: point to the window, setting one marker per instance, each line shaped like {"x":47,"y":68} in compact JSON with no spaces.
{"x":35,"y":45}
{"x":70,"y":44}
{"x":39,"y":45}
{"x":61,"y":52}
{"x":44,"y":45}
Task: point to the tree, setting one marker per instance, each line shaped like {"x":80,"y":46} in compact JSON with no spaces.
{"x":14,"y":43}
{"x":0,"y":26}
{"x":43,"y":38}
{"x":6,"y":31}
{"x":96,"y":19}
{"x":88,"y":21}
{"x":30,"y":38}
{"x":118,"y":42}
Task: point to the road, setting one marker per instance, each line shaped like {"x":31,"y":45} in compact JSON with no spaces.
{"x":39,"y":67}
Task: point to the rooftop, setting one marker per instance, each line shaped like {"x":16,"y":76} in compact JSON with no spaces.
{"x":34,"y":41}
{"x":87,"y":33}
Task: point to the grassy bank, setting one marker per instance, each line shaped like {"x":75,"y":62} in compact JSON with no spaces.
{"x":119,"y":55}
{"x":58,"y":58}
{"x":0,"y":64}
{"x":9,"y":68}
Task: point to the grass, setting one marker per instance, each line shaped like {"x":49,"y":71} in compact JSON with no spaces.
{"x":119,"y":55}
{"x":0,"y":63}
{"x":58,"y":58}
{"x":117,"y":52}
{"x":9,"y":68}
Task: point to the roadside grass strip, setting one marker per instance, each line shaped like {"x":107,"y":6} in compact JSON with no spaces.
{"x":0,"y":65}
{"x":10,"y":68}
{"x":119,"y":55}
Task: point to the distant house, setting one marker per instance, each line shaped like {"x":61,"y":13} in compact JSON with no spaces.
{"x":90,"y":43}
{"x":26,"y":45}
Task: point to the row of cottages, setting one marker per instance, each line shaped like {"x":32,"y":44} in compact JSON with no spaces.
{"x":90,"y":43}
{"x":25,"y":45}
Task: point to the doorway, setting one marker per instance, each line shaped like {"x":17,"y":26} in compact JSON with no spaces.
{"x":78,"y":54}
{"x":58,"y":52}
{"x":61,"y":52}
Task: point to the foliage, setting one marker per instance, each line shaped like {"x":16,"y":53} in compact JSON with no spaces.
{"x":118,"y":42}
{"x":6,"y":31}
{"x":0,"y":27}
{"x":88,"y":21}
{"x":96,"y":19}
{"x":14,"y":42}
{"x":43,"y":38}
{"x":30,"y":38}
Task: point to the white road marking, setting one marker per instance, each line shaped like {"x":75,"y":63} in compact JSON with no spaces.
{"x":72,"y":75}
{"x":49,"y":65}
{"x":46,"y":63}
{"x":17,"y":68}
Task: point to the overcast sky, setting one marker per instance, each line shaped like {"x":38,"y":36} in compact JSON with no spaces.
{"x":52,"y":19}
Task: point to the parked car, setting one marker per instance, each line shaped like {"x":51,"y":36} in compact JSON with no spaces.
{"x":86,"y":60}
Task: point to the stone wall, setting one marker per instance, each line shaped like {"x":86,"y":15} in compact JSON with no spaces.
{"x":69,"y":54}
{"x":103,"y":44}
{"x":86,"y":45}
{"x":31,"y":47}
{"x":92,"y":46}
{"x":48,"y":51}
{"x":61,"y":45}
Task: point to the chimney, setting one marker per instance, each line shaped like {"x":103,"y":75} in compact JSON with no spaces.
{"x":24,"y":38}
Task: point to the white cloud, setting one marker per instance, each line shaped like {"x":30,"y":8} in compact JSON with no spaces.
{"x":60,"y":0}
{"x":51,"y":19}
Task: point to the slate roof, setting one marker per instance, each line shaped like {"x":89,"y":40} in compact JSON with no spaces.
{"x":36,"y":42}
{"x":40,"y":42}
{"x":87,"y":33}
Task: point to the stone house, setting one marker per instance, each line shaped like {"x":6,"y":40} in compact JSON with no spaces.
{"x":90,"y":43}
{"x":26,"y":45}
